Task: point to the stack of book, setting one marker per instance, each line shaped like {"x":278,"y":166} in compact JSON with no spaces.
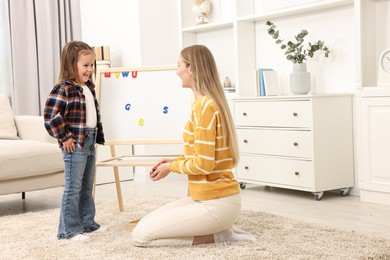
{"x":268,"y":82}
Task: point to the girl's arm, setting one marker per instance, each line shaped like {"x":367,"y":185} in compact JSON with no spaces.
{"x":54,"y":110}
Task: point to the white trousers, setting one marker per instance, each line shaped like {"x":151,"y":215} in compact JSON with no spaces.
{"x":178,"y":222}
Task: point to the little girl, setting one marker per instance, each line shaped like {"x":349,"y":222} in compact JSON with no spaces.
{"x":72,"y":117}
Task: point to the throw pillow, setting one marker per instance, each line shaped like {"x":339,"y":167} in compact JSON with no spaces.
{"x":7,"y":122}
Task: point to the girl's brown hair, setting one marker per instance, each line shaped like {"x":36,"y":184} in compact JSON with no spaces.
{"x":207,"y":83}
{"x":69,"y":57}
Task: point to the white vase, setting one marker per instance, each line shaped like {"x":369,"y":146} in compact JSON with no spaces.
{"x":300,"y":79}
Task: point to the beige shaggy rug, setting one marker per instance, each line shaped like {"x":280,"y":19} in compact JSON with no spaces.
{"x":33,"y":236}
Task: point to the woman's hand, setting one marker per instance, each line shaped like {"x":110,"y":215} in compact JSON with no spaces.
{"x":69,"y":145}
{"x":164,"y":160}
{"x":160,"y":171}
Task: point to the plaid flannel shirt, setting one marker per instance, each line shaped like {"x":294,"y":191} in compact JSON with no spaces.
{"x":65,"y":113}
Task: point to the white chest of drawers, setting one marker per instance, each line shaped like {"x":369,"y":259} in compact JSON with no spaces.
{"x":296,"y":142}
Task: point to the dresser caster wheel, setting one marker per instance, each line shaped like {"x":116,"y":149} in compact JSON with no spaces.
{"x":242,"y":185}
{"x":318,"y":195}
{"x":344,"y":192}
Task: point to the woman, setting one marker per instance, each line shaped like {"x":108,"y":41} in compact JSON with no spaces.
{"x":210,"y":153}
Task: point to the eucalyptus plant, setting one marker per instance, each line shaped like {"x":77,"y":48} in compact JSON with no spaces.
{"x":297,"y":52}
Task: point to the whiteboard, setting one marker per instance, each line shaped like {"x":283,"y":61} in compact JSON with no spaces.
{"x":142,"y":103}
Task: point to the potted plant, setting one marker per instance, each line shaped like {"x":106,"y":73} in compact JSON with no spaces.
{"x":297,"y":52}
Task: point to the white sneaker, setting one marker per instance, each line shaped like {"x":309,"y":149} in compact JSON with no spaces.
{"x":101,"y":229}
{"x":79,"y":237}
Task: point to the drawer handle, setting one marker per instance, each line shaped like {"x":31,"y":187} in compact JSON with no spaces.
{"x":296,"y":173}
{"x":295,"y":114}
{"x":295,"y":144}
{"x":246,"y":167}
{"x":245,"y":141}
{"x":244,"y":113}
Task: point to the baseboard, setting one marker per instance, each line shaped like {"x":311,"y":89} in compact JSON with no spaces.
{"x":375,"y":197}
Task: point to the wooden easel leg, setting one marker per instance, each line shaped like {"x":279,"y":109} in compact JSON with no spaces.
{"x":117,"y":181}
{"x":118,"y":189}
{"x":131,"y":225}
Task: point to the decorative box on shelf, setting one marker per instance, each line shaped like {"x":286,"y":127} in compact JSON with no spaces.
{"x":102,"y":58}
{"x":102,"y":53}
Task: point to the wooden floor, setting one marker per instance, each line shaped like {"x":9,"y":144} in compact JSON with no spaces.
{"x":333,"y":210}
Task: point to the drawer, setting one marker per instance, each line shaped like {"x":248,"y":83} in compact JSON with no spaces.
{"x":276,"y":142}
{"x":273,"y":114}
{"x":287,"y":173}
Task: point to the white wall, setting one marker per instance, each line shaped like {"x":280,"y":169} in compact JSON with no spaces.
{"x":113,"y":23}
{"x":139,"y":32}
{"x":159,"y":33}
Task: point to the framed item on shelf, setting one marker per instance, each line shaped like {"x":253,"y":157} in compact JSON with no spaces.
{"x":384,"y":68}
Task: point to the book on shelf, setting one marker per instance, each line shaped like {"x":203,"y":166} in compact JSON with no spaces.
{"x":271,"y":83}
{"x":260,"y":81}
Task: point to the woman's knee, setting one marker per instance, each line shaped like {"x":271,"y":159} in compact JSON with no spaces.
{"x":139,"y":237}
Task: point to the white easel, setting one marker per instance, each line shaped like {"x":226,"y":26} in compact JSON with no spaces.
{"x":148,"y":89}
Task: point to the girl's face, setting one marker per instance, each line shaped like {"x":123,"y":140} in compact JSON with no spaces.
{"x":85,"y":67}
{"x":184,"y":73}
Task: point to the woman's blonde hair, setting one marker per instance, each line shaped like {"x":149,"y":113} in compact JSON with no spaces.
{"x":207,"y":83}
{"x":69,"y":57}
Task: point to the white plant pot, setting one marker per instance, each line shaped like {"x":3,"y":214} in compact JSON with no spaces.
{"x":300,"y":79}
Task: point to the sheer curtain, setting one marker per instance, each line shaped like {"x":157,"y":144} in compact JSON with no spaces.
{"x":5,"y":51}
{"x":37,"y":31}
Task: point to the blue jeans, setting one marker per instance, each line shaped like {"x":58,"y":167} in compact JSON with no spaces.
{"x":78,"y":206}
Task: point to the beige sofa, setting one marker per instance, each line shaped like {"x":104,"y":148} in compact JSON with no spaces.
{"x":30,"y":158}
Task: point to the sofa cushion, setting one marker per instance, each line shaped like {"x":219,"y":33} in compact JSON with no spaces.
{"x":8,"y":128}
{"x":25,"y":158}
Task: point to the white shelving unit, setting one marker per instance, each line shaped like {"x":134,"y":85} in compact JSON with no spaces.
{"x":311,"y":6}
{"x":372,"y":37}
{"x":237,"y":36}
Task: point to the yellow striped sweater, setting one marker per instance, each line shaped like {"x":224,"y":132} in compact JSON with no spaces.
{"x":207,"y":160}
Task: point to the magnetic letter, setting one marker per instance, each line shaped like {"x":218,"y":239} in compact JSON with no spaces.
{"x":165,"y":110}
